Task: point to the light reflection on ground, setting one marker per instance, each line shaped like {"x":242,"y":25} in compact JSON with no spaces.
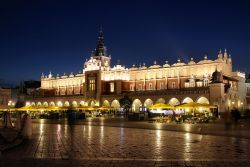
{"x":86,"y":141}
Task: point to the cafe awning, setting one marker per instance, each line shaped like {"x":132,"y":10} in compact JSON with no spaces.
{"x":161,"y":106}
{"x":194,"y":105}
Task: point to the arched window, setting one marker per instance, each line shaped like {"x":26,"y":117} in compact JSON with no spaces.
{"x":150,"y":86}
{"x":161,"y":86}
{"x":173,"y":85}
{"x":192,"y":83}
{"x":131,"y":87}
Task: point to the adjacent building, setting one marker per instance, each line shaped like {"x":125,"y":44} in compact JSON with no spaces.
{"x":99,"y":84}
{"x":248,"y":92}
{"x":8,"y":97}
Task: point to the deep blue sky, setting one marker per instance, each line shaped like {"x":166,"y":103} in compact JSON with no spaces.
{"x":42,"y":36}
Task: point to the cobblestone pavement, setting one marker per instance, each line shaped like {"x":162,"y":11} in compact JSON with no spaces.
{"x":218,"y":128}
{"x":86,"y":145}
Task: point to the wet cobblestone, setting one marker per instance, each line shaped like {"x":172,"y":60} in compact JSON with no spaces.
{"x":87,"y":145}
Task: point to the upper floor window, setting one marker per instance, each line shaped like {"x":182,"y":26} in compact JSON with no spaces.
{"x":131,"y":87}
{"x":150,"y":86}
{"x":199,"y":84}
{"x":206,"y":82}
{"x":161,"y":86}
{"x":140,"y":87}
{"x":192,"y":83}
{"x":173,"y":85}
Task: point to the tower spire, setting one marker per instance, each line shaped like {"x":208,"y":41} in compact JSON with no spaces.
{"x":100,"y":48}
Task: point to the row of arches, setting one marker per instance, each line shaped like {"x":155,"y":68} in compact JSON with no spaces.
{"x":136,"y":104}
{"x":173,"y":101}
{"x":62,"y":104}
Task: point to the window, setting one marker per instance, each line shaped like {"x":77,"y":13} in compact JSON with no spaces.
{"x":173,"y":85}
{"x":92,"y":84}
{"x":70,"y":90}
{"x":112,"y":87}
{"x":186,"y":84}
{"x":199,"y":84}
{"x":150,"y":86}
{"x":131,"y":87}
{"x":206,"y":81}
{"x":139,"y":87}
{"x":192,"y":83}
{"x":161,"y":86}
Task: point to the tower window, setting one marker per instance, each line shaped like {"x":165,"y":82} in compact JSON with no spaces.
{"x":112,"y":87}
{"x":92,"y":84}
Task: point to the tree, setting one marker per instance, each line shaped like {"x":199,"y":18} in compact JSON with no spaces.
{"x":19,"y":104}
{"x":126,"y":103}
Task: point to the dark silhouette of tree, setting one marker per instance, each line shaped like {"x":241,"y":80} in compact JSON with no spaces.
{"x":126,"y":103}
{"x":19,"y":104}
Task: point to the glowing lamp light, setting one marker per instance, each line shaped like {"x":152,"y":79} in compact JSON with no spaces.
{"x":27,"y":103}
{"x":10,"y":103}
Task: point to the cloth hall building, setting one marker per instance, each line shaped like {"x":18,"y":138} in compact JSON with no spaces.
{"x":99,"y":84}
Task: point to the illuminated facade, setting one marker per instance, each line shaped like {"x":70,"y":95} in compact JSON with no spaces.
{"x":99,"y":84}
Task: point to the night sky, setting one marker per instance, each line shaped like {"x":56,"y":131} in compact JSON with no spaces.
{"x":57,"y":36}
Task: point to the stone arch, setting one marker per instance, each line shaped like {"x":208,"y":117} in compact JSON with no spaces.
{"x":136,"y":105}
{"x":82,"y":103}
{"x":45,"y":104}
{"x":74,"y":104}
{"x":52,"y":103}
{"x":202,"y":100}
{"x":106,"y":103}
{"x":174,"y":101}
{"x":187,"y":100}
{"x":92,"y":103}
{"x":115,"y":104}
{"x":59,"y":104}
{"x":33,"y":104}
{"x":39,"y":104}
{"x":148,"y":103}
{"x":160,"y":100}
{"x":66,"y":104}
